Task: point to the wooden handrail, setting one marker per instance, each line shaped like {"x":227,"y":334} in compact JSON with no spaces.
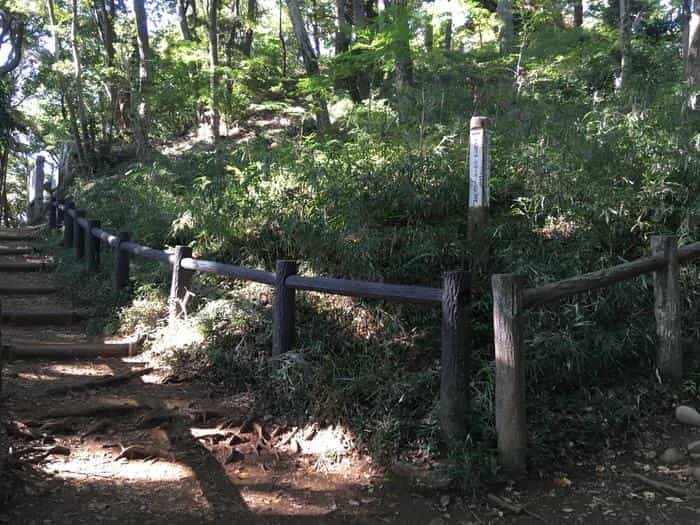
{"x":146,"y":252}
{"x":391,"y":292}
{"x":230,"y":270}
{"x":534,"y":297}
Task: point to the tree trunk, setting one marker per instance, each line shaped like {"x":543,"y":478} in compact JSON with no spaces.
{"x":404,"y":60}
{"x":105,"y":26}
{"x":213,"y":67}
{"x":359,"y":19}
{"x":182,"y":18}
{"x":578,"y":13}
{"x":447,"y":30}
{"x":78,"y":86}
{"x":141,"y":115}
{"x":67,"y":99}
{"x":506,"y":36}
{"x":283,"y":43}
{"x":13,"y":35}
{"x":624,"y":44}
{"x":693,"y":59}
{"x":309,"y":59}
{"x":4,"y":161}
{"x":314,"y":27}
{"x":342,"y":42}
{"x":428,"y":36}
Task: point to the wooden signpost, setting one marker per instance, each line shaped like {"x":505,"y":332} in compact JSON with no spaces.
{"x":479,"y":190}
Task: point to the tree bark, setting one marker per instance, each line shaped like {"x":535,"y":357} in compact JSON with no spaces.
{"x":105,"y":25}
{"x":309,"y":59}
{"x":693,"y":59}
{"x":359,"y":19}
{"x":504,"y":10}
{"x":141,"y":115}
{"x":447,"y":30}
{"x":578,"y":13}
{"x":624,"y":44}
{"x":78,"y":85}
{"x":12,"y":34}
{"x":69,"y":103}
{"x":182,"y":18}
{"x":404,"y":60}
{"x":213,"y":67}
{"x":342,"y":41}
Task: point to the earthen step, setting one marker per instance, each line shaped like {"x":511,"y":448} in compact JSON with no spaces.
{"x":25,"y":349}
{"x":19,"y":318}
{"x":5,"y":237}
{"x":27,"y":267}
{"x":16,"y":251}
{"x":28,"y":290}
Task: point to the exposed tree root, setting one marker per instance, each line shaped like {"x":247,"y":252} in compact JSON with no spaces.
{"x":141,"y":452}
{"x":101,"y":382}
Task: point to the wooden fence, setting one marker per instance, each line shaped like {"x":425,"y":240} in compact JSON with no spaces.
{"x":86,"y":238}
{"x":511,"y":298}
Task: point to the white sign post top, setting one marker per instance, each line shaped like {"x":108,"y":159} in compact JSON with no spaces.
{"x":479,"y":163}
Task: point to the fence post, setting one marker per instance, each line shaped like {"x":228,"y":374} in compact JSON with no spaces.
{"x":455,"y":358}
{"x":78,"y":236}
{"x":667,"y":309}
{"x":52,"y":213}
{"x":180,"y":284}
{"x":479,"y":190}
{"x":60,"y":212}
{"x":511,"y":418}
{"x":92,"y":247}
{"x":68,"y":226}
{"x":121,"y":263}
{"x":283,"y":310}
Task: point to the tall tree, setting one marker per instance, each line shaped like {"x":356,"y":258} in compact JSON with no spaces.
{"x":693,"y":58}
{"x":11,"y":37}
{"x":578,"y":13}
{"x":310,"y":60}
{"x":213,"y":67}
{"x":506,"y":36}
{"x":141,"y":116}
{"x":66,"y":98}
{"x":402,"y":44}
{"x":342,"y":37}
{"x":78,"y":80}
{"x":182,"y":7}
{"x":624,"y":43}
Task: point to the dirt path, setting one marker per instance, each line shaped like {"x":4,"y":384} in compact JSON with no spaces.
{"x":222,"y":463}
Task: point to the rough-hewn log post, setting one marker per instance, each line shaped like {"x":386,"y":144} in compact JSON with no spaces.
{"x":59,"y":211}
{"x":68,"y":226}
{"x":53,"y":213}
{"x":511,"y":420}
{"x":479,"y":191}
{"x":180,"y":284}
{"x":92,"y":247}
{"x":78,"y":235}
{"x":283,"y":311}
{"x":455,"y":358}
{"x":121,"y":264}
{"x":667,"y":309}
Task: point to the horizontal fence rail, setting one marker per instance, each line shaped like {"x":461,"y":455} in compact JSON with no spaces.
{"x":85,"y":237}
{"x":228,"y":270}
{"x":389,"y":292}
